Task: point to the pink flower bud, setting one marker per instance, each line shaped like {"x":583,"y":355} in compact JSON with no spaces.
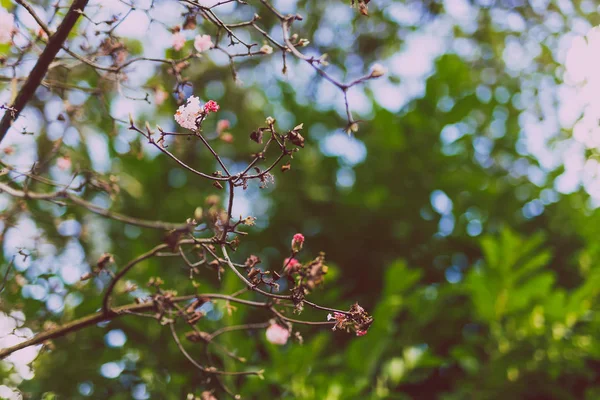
{"x":297,"y":242}
{"x":361,"y":333}
{"x":63,"y":163}
{"x":277,"y":334}
{"x":290,"y":264}
{"x":222,"y":124}
{"x":211,"y":106}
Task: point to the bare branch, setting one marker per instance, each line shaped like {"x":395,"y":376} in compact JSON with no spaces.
{"x":39,"y":70}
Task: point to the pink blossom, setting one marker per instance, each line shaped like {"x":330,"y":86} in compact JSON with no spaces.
{"x":7,"y":25}
{"x":211,"y":106}
{"x":202,"y":43}
{"x":63,"y":163}
{"x":222,"y":125}
{"x":178,"y":41}
{"x":290,"y":264}
{"x":336,"y":316}
{"x":361,"y":333}
{"x":160,"y":96}
{"x":297,"y":242}
{"x":277,"y":334}
{"x":187,"y":114}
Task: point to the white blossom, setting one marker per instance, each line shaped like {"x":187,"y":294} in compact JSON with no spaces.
{"x":187,"y":114}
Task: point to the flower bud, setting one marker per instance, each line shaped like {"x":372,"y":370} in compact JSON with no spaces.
{"x":266,"y":49}
{"x":353,"y":127}
{"x":211,"y":106}
{"x":378,"y":70}
{"x":296,"y":138}
{"x":297,"y":242}
{"x":291,"y":265}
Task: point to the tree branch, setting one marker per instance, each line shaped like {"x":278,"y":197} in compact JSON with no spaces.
{"x":101,"y":316}
{"x":63,"y":194}
{"x":41,"y":67}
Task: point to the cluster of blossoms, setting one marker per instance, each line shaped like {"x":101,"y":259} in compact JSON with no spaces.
{"x":266,"y":180}
{"x":357,"y":320}
{"x":201,"y":42}
{"x":307,"y":276}
{"x":211,"y":106}
{"x":187,"y":115}
{"x":7,"y":25}
{"x":310,"y":275}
